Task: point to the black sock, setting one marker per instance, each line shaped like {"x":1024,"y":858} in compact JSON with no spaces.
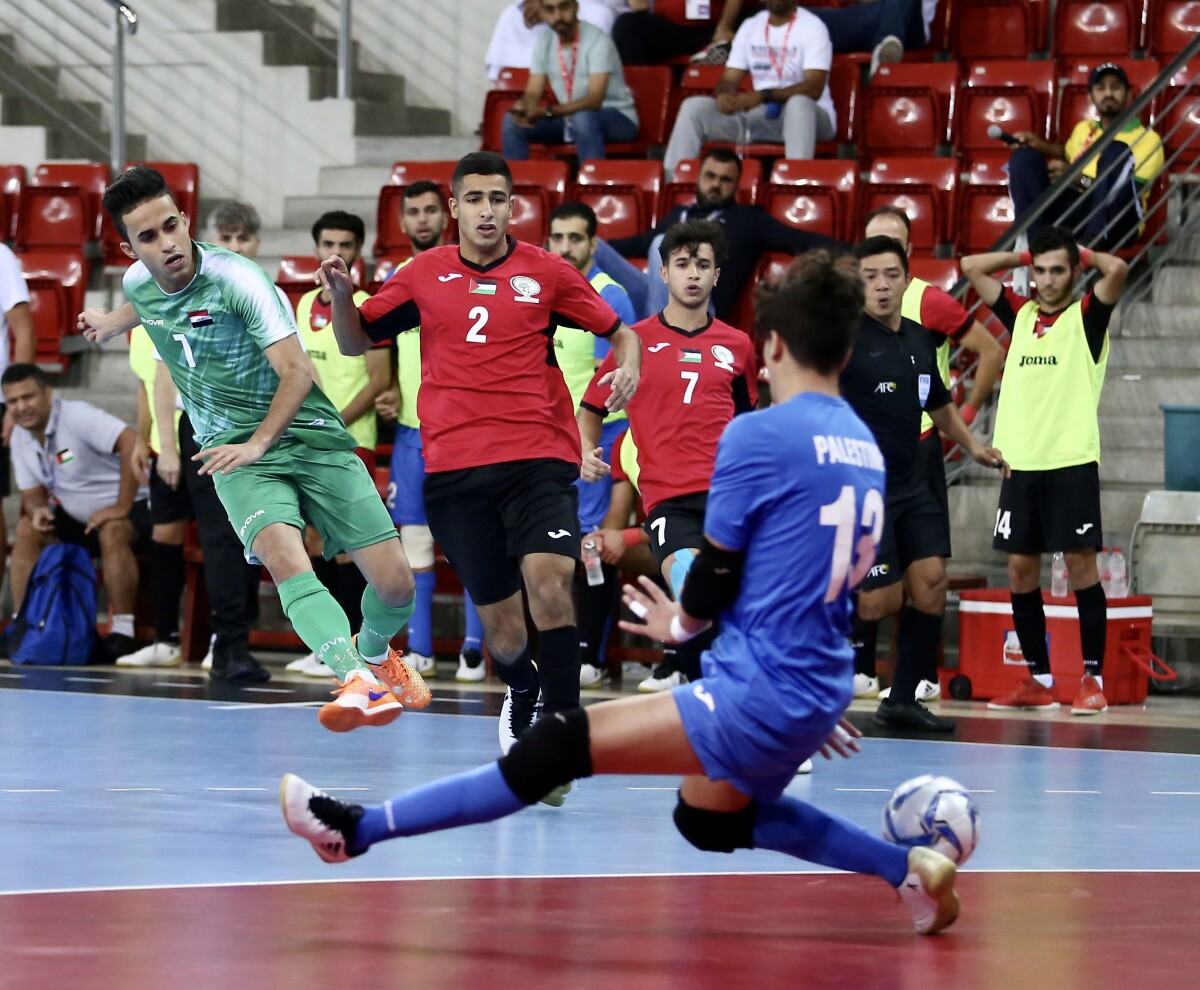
{"x":1029,"y":620}
{"x":687,"y":655}
{"x":593,"y":610}
{"x":558,"y":668}
{"x":916,"y":641}
{"x":863,"y":635}
{"x":1093,"y":627}
{"x":348,"y":591}
{"x":518,"y":673}
{"x":166,"y":567}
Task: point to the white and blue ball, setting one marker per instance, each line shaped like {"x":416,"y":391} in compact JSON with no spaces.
{"x":936,"y":812}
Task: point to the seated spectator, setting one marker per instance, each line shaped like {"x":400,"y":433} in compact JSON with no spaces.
{"x":788,"y":54}
{"x":885,"y":28}
{"x":591,"y":103}
{"x":643,"y":37}
{"x":16,"y":318}
{"x":750,"y":230}
{"x":521,"y":22}
{"x":237,"y":227}
{"x":1107,"y":206}
{"x":74,"y":467}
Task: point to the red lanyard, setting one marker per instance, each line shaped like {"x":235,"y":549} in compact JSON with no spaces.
{"x":777,"y":66}
{"x":568,"y":75}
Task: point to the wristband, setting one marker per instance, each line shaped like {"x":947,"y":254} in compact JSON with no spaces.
{"x":1085,"y":257}
{"x":1026,"y":258}
{"x":678,"y":633}
{"x":632,"y":536}
{"x":768,"y":95}
{"x":968,"y":413}
{"x":549,"y":113}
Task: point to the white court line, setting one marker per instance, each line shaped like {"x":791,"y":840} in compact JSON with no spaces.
{"x":255,"y":690}
{"x":1073,"y":792}
{"x":235,"y":789}
{"x":249,"y":705}
{"x":1177,"y":793}
{"x":13,"y":677}
{"x":89,"y":680}
{"x":32,"y":790}
{"x":124,"y":790}
{"x":345,"y":788}
{"x":864,"y":790}
{"x":651,"y":788}
{"x":179,"y":684}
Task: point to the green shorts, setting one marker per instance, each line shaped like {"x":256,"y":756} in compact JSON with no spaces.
{"x":295,"y":484}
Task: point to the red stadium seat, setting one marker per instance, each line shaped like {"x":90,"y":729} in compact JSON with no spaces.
{"x":91,"y":177}
{"x":551,"y":175}
{"x":908,"y":108}
{"x":512,"y":80}
{"x":296,"y":272}
{"x":1095,"y":30}
{"x":531,"y":208}
{"x":1171,"y":25}
{"x":389,"y":236}
{"x":845,"y":89}
{"x":942,"y":272}
{"x":385,"y":266}
{"x":925,"y":188}
{"x":1179,"y":125}
{"x":677,"y":11}
{"x":12,"y":179}
{"x":495,"y":105}
{"x":53,"y":319}
{"x":984,"y":215}
{"x":1012,"y":95}
{"x":67,"y":266}
{"x":817,"y":196}
{"x":682,"y":187}
{"x":993,"y":29}
{"x":1074,"y":102}
{"x":639,"y":180}
{"x":54,"y":216}
{"x":987,"y":169}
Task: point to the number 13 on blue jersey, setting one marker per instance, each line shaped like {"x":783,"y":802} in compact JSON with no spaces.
{"x":852,"y":558}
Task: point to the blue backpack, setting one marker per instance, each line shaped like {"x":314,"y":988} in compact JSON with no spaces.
{"x":56,"y":625}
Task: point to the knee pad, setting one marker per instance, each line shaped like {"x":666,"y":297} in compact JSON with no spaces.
{"x":552,"y":752}
{"x":418,"y":546}
{"x":716,"y":831}
{"x":679,"y":570}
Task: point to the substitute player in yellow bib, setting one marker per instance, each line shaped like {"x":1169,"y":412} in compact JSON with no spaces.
{"x":1047,"y":425}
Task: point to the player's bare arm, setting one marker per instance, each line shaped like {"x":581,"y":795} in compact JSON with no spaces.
{"x":164,"y":412}
{"x":980,"y":269}
{"x":141,"y":450}
{"x":1113,"y":272}
{"x":594,"y":468}
{"x":127,"y":491}
{"x":378,"y":372}
{"x":987,"y":348}
{"x":347,"y":327}
{"x":627,"y":351}
{"x":294,"y":369}
{"x":948,"y":420}
{"x":98,"y":326}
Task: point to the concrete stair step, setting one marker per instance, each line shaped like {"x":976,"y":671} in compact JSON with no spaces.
{"x":1168,"y":354}
{"x":353,"y":180}
{"x":1140,"y":391}
{"x":300,"y":211}
{"x":237,"y":15}
{"x":384,"y":150}
{"x":1146,"y":321}
{"x":386,"y":119}
{"x":1122,"y":432}
{"x":383,"y":87}
{"x":1175,"y":286}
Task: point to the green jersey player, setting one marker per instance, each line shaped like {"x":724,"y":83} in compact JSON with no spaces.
{"x":275,"y":446}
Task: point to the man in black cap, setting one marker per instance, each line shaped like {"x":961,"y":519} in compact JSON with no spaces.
{"x":1105,"y":212}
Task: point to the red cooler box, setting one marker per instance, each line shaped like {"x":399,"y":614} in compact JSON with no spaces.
{"x":990,"y":661}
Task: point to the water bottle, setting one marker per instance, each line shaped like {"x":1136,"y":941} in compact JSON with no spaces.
{"x":1118,"y":582}
{"x":1102,"y":567}
{"x":1058,"y":577}
{"x":591,"y":563}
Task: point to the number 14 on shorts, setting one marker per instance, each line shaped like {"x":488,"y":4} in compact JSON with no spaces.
{"x":1003,"y":524}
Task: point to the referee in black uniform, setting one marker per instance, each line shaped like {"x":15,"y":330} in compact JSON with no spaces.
{"x":891,"y":378}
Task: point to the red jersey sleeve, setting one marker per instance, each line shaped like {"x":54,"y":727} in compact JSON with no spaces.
{"x":581,"y":304}
{"x":618,"y":472}
{"x":942,"y":313}
{"x":1006,"y":307}
{"x":597,"y":394}
{"x":392,"y":310}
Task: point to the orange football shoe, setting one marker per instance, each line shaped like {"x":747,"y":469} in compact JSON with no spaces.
{"x":403,"y":678}
{"x":358,"y":703}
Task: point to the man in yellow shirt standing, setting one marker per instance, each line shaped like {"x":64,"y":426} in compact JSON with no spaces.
{"x":352,"y":384}
{"x":1107,"y":207}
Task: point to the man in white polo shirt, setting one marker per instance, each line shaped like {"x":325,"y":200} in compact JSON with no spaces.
{"x":73,"y":466}
{"x":16,"y":320}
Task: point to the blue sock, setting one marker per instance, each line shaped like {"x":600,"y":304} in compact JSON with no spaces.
{"x":474,"y":637}
{"x":420,"y":626}
{"x":790,"y":826}
{"x":464,"y":799}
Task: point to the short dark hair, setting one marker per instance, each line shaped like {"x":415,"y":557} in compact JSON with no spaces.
{"x":690,"y":235}
{"x":235,"y":216}
{"x":889,"y":211}
{"x":480,"y":163}
{"x":815,"y":308}
{"x":339,"y":220}
{"x":724,"y":156}
{"x":420,"y":188}
{"x":871,"y":246}
{"x":574,"y":209}
{"x":22,"y":373}
{"x":131,"y":189}
{"x":1053,"y":239}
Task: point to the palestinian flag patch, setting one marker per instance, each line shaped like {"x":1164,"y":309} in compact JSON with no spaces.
{"x":65,"y":456}
{"x":689,"y":356}
{"x":483,"y":287}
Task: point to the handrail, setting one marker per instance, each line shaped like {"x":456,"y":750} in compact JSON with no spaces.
{"x":125,"y":20}
{"x":345,"y":67}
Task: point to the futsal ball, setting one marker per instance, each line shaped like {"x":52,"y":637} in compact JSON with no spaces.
{"x":936,"y":812}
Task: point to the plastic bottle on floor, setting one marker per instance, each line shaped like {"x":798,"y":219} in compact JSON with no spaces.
{"x":1102,"y":567}
{"x":1058,"y":577}
{"x":1118,"y":581}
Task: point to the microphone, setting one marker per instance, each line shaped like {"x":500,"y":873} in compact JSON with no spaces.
{"x":996,"y":134}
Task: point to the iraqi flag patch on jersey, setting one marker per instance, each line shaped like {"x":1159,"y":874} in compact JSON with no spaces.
{"x":200,"y":318}
{"x":483,"y":287}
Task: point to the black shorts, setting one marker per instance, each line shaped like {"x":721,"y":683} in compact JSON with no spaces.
{"x":933,"y":466}
{"x":167,"y":504}
{"x":915,"y":526}
{"x":485,"y":519}
{"x":1048,"y":511}
{"x":675,"y":524}
{"x":70,"y":530}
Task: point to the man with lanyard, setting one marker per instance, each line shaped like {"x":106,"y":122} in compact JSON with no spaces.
{"x":1046,"y":420}
{"x":423,"y":219}
{"x":750,"y":231}
{"x":936,"y":311}
{"x":573,"y":237}
{"x":891,"y":378}
{"x":788,"y":55}
{"x":698,"y":374}
{"x":592,"y":105}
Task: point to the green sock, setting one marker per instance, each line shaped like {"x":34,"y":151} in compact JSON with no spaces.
{"x":380,"y":623}
{"x":320,"y":622}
